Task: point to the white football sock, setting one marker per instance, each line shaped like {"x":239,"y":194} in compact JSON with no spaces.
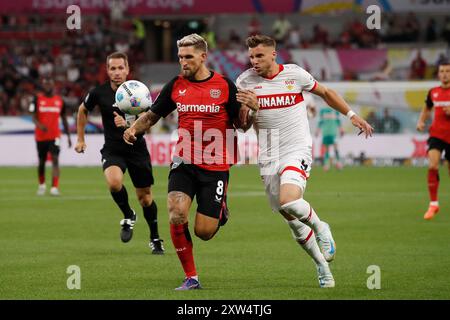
{"x":303,"y":211}
{"x":306,"y":239}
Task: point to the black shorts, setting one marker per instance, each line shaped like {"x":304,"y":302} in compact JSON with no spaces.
{"x":44,"y":147}
{"x":137,"y":160}
{"x":438,"y":144}
{"x":210,"y":187}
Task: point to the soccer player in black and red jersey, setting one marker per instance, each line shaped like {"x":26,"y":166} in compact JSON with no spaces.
{"x":117,"y":156}
{"x":47,"y":108}
{"x":207,"y":108}
{"x":439,"y":140}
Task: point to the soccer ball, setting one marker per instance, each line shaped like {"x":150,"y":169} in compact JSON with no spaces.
{"x":133,"y":97}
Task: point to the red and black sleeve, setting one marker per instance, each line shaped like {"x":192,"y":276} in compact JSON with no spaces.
{"x":164,"y":105}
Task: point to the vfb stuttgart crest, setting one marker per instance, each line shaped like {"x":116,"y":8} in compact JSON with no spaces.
{"x":215,"y":93}
{"x":290,"y":84}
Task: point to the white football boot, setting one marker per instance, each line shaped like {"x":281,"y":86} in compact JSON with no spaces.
{"x":326,"y":242}
{"x":42,"y":188}
{"x":325,"y":276}
{"x":54,"y":191}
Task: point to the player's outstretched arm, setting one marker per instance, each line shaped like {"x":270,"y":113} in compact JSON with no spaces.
{"x":142,"y":124}
{"x":81,"y":125}
{"x":362,"y":125}
{"x":334,"y":100}
{"x":424,"y":116}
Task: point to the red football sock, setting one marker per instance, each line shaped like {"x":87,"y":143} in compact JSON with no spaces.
{"x":433,"y":184}
{"x":183,"y":246}
{"x":41,"y":179}
{"x":55,"y":182}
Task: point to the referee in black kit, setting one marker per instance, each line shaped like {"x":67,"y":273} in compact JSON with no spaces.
{"x":117,"y":156}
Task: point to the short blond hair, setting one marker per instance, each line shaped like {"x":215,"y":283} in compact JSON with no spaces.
{"x":194,"y":40}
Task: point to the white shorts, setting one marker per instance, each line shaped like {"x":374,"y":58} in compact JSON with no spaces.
{"x":293,"y":170}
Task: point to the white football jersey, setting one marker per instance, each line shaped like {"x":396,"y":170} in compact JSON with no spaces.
{"x":282,"y":121}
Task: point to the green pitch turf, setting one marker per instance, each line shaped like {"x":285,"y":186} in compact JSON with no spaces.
{"x":375,"y":215}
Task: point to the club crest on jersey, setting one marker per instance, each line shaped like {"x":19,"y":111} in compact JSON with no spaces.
{"x":290,"y":84}
{"x":215,"y":93}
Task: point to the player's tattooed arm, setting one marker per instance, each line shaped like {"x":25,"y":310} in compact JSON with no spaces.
{"x":145,"y":122}
{"x":248,"y":98}
{"x":245,"y":119}
{"x":142,"y":124}
{"x":247,"y":113}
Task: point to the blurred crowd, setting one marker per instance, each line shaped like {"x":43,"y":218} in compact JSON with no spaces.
{"x":395,"y":28}
{"x":386,"y":123}
{"x":33,"y":46}
{"x":75,"y":59}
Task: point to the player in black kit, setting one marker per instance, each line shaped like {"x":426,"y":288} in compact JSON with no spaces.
{"x":117,"y":156}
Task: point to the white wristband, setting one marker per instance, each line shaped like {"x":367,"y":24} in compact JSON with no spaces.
{"x":251,"y":113}
{"x":350,"y":114}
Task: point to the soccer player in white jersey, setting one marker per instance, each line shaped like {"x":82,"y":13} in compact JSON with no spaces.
{"x":285,"y":144}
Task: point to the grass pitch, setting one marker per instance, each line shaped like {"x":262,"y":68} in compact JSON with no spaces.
{"x":375,"y":215}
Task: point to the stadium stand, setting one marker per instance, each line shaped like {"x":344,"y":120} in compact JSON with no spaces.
{"x":326,"y":45}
